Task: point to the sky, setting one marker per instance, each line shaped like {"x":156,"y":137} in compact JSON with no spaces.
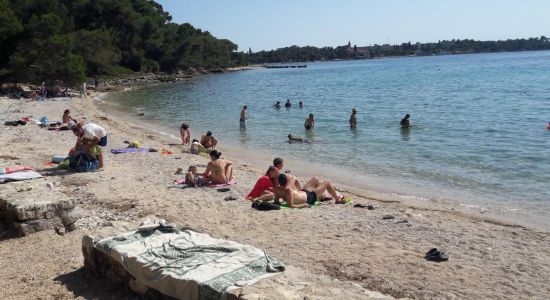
{"x":272,"y":24}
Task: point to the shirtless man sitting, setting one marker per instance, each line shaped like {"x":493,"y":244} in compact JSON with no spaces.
{"x":220,"y":171}
{"x":208,"y":141}
{"x":312,"y":191}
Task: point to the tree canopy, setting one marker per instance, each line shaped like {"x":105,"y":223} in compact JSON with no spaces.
{"x":308,"y":53}
{"x":68,"y":40}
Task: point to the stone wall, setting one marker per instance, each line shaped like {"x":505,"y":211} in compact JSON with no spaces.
{"x":35,"y":205}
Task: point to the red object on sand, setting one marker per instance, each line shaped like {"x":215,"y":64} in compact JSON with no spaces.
{"x":263,"y":184}
{"x":10,"y":170}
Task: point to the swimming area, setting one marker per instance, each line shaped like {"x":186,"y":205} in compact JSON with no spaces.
{"x":479,"y":138}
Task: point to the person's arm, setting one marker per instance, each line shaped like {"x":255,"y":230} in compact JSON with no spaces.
{"x":276,"y":197}
{"x":207,"y":172}
{"x":228,"y":163}
{"x":182,"y":134}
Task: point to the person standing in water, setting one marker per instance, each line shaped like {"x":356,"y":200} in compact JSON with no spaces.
{"x":288,"y":104}
{"x":277,"y":105}
{"x":185,"y":134}
{"x":310,"y":122}
{"x":300,"y":104}
{"x":244,"y":116}
{"x":405,"y":123}
{"x":353,"y":119}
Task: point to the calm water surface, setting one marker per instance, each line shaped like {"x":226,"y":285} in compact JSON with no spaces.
{"x":480,"y":134}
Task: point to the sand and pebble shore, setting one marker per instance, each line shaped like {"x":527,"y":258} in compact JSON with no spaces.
{"x":333,"y":251}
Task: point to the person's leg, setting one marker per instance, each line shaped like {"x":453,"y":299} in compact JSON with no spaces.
{"x":229,"y":173}
{"x":312,"y":184}
{"x":266,"y":196}
{"x":100,"y":158}
{"x":326,"y":186}
{"x":72,"y":151}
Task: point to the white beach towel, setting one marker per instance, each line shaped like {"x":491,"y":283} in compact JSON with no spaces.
{"x":19,"y":176}
{"x":187,"y":264}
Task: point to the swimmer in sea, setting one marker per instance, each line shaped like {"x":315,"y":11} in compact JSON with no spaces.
{"x":277,"y":105}
{"x":548,"y":127}
{"x":288,"y":104}
{"x":300,"y":104}
{"x":294,"y":139}
{"x":244,"y":116}
{"x":353,"y":119}
{"x":405,"y":121}
{"x":310,"y":122}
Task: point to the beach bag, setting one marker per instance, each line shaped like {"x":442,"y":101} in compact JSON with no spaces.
{"x":83,"y":162}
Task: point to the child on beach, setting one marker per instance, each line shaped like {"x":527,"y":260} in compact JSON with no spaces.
{"x":192,"y":178}
{"x":195,"y":147}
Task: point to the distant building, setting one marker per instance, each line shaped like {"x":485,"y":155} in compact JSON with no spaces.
{"x":360,"y":51}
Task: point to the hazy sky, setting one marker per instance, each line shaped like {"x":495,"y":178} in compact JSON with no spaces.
{"x":270,"y":24}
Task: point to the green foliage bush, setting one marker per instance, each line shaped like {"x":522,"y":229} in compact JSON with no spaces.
{"x":69,"y":40}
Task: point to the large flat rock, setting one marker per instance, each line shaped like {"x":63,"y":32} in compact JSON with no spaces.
{"x":33,"y":205}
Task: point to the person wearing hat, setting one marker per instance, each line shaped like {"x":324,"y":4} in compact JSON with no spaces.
{"x":353,"y":119}
{"x":309,"y":122}
{"x":208,"y":141}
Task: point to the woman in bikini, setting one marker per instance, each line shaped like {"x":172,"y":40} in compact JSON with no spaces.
{"x":220,"y":171}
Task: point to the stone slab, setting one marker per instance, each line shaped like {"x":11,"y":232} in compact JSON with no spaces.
{"x":35,"y":205}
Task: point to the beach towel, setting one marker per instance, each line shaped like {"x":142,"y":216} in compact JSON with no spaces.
{"x":10,"y":170}
{"x":212,"y":185}
{"x":129,"y":150}
{"x":19,"y":176}
{"x":185,"y":264}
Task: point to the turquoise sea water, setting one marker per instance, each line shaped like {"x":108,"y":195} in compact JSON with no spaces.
{"x":480,"y":121}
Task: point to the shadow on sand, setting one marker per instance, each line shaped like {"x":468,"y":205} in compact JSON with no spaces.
{"x":83,"y":283}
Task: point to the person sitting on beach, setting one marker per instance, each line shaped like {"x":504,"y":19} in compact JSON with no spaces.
{"x":353,"y":119}
{"x":310,"y":122}
{"x":185,"y":134}
{"x":308,"y":196}
{"x":193,"y":179}
{"x":93,"y":132}
{"x":405,"y":123}
{"x":263,"y":189}
{"x":288,"y":104}
{"x":218,"y":171}
{"x":195,"y":147}
{"x":66,"y":118}
{"x":208,"y":141}
{"x":277,"y":105}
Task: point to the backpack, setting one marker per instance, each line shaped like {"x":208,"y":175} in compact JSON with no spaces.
{"x":83,"y":162}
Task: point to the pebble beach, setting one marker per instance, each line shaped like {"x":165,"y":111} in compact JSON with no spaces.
{"x":331,"y":251}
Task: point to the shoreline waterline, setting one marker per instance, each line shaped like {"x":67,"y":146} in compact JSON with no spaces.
{"x":359,"y":185}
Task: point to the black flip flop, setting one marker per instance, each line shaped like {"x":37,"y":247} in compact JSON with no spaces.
{"x":230,"y":198}
{"x":436,"y":255}
{"x":359,"y":205}
{"x":223,"y":190}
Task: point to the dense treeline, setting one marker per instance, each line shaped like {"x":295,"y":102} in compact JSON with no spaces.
{"x":68,"y":40}
{"x":300,"y":54}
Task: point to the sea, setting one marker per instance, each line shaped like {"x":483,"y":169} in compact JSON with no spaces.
{"x":479,"y":138}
